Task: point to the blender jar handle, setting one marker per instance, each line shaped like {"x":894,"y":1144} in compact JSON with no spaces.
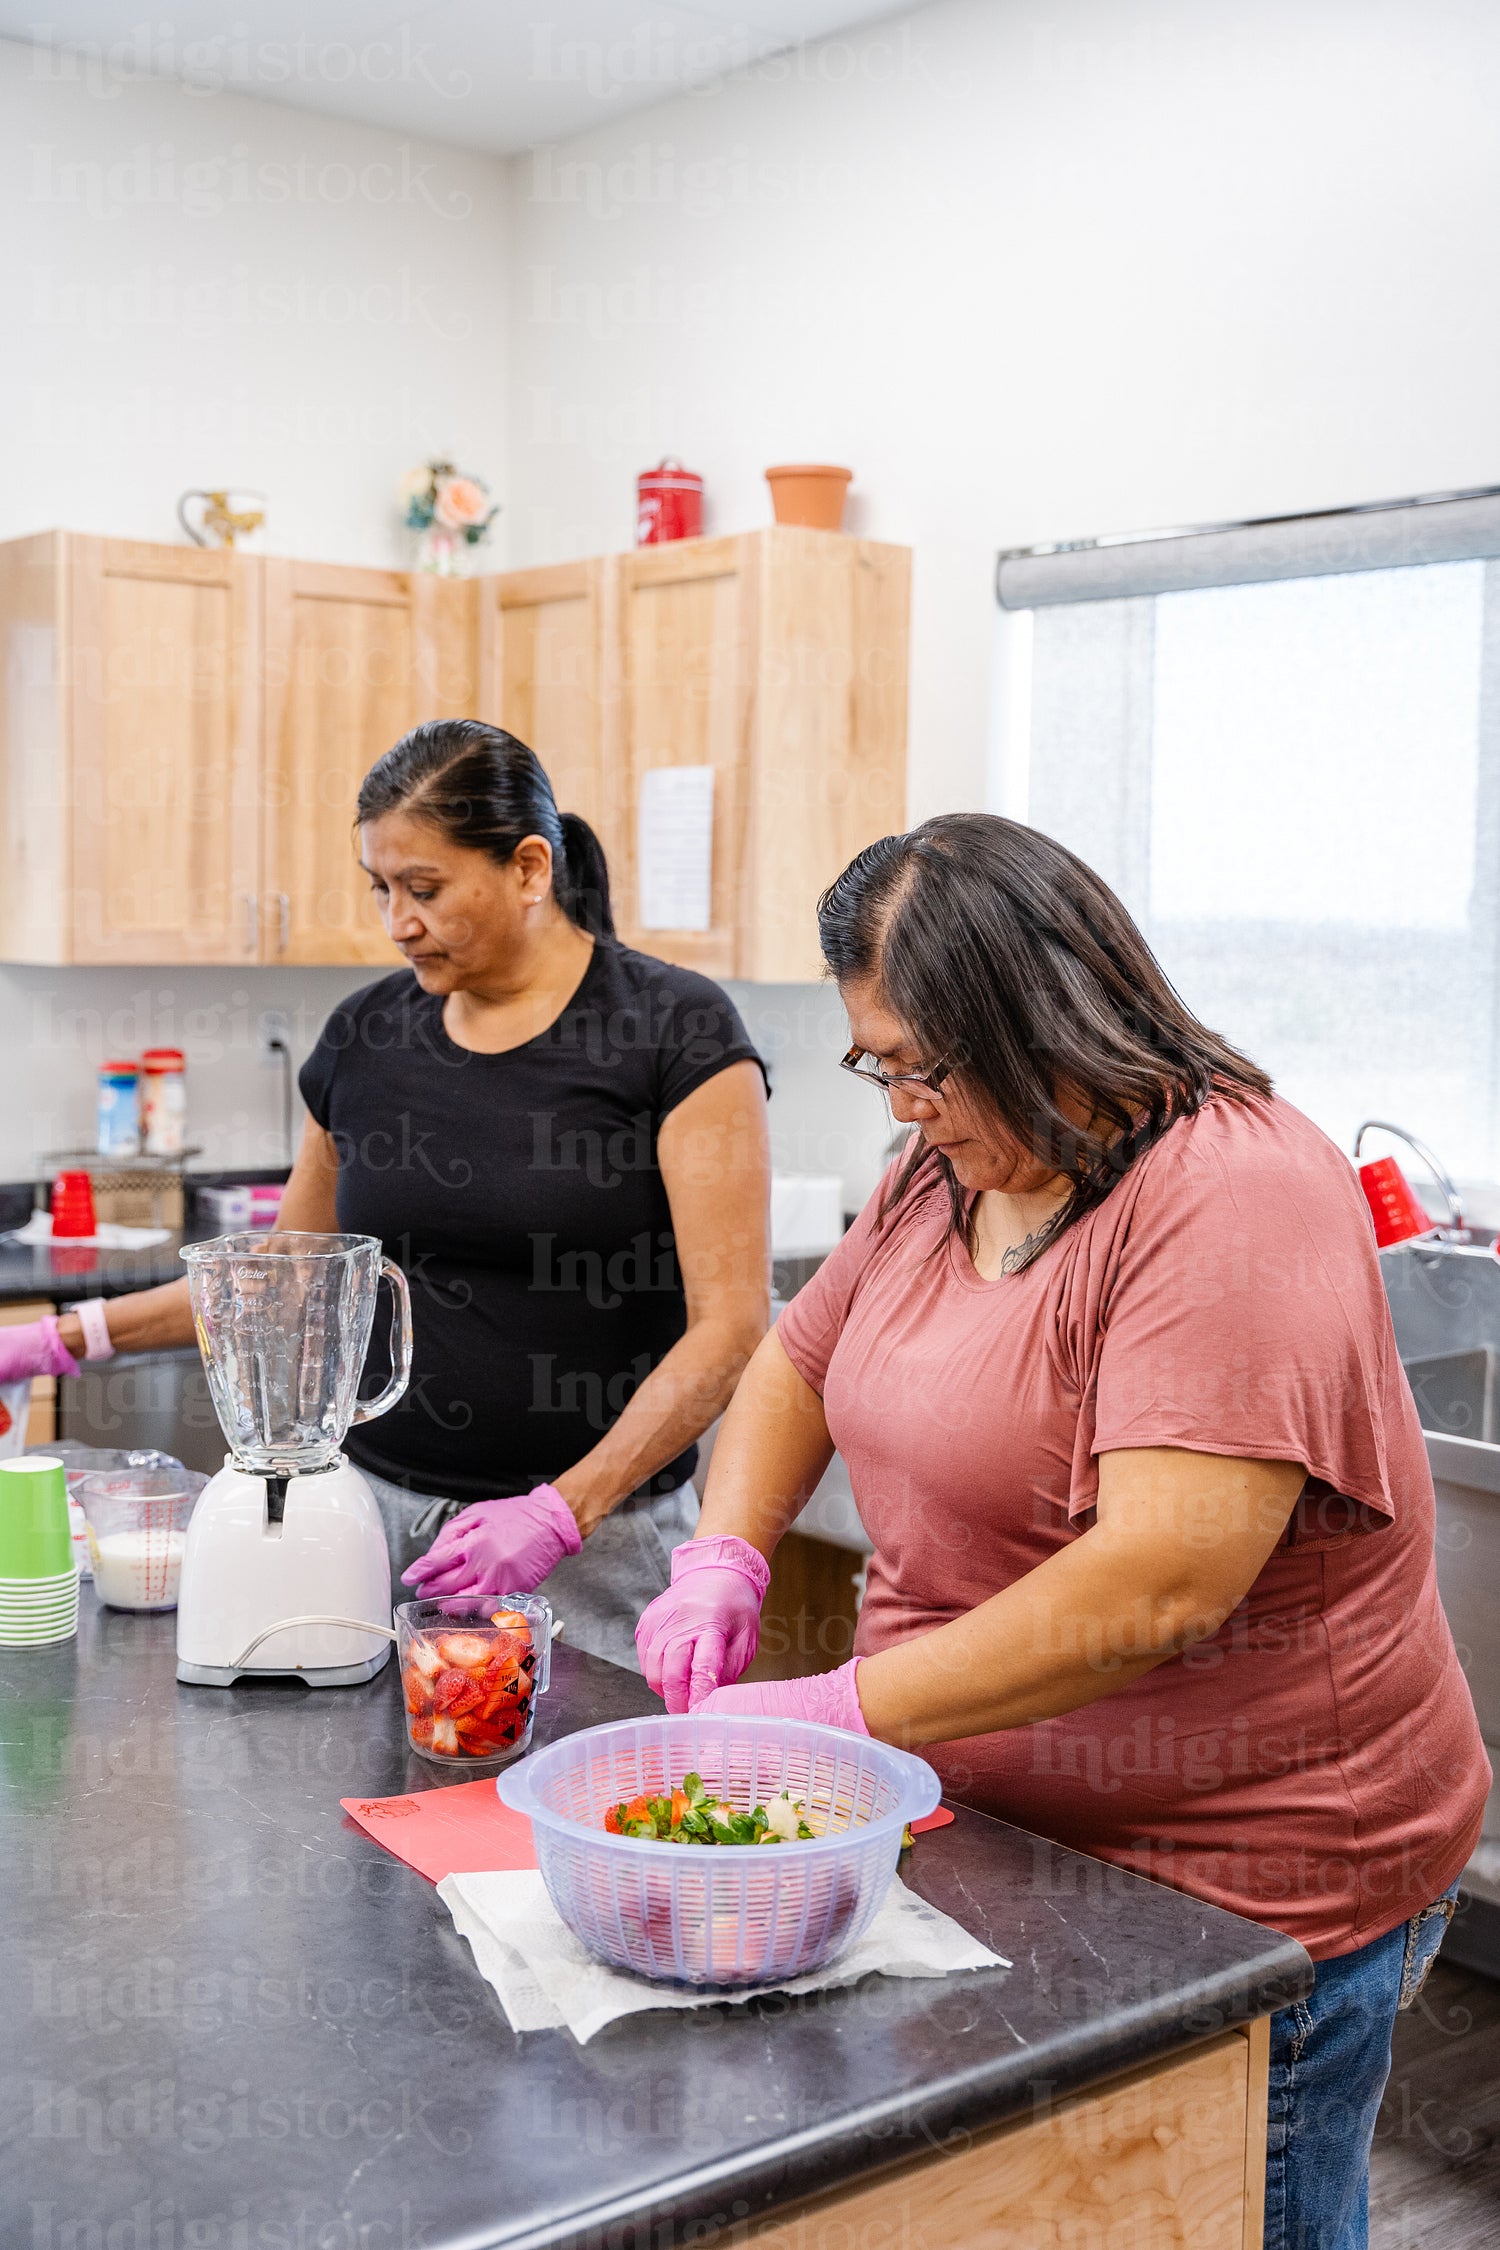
{"x":367,"y":1408}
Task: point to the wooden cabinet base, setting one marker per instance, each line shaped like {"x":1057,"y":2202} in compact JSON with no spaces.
{"x":808,"y":1617}
{"x":1170,"y":2158}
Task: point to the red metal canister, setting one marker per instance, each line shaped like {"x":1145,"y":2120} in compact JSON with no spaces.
{"x":669,"y":504}
{"x":1398,"y":1215}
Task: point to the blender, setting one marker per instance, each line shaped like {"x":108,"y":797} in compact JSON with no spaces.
{"x":285,"y":1570}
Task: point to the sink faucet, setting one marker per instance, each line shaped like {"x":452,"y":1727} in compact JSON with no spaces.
{"x":1457,"y":1228}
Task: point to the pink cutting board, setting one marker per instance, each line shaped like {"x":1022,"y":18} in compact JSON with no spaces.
{"x":942,"y":1818}
{"x":462,"y":1830}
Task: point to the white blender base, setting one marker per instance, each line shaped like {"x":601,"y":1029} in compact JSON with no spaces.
{"x":332,"y":1675}
{"x":243,"y":1573}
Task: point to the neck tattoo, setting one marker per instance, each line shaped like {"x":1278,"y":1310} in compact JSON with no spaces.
{"x":1015,"y":1257}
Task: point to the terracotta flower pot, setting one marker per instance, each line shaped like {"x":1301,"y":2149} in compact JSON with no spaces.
{"x":809,"y":493}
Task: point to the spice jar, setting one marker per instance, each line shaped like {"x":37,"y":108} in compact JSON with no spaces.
{"x":163,"y":1101}
{"x":119,"y":1116}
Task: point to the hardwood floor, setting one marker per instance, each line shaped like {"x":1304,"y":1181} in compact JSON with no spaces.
{"x":1435,"y":2173}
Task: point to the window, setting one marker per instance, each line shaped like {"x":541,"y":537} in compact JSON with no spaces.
{"x":1294,"y":783}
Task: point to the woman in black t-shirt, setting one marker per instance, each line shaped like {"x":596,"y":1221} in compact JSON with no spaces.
{"x":563,"y":1144}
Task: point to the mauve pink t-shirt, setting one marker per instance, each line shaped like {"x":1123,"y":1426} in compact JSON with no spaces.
{"x":1317,"y":1764}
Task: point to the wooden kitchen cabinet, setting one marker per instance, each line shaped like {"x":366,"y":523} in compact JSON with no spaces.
{"x":544,"y":639}
{"x":778,"y":658}
{"x":685,"y":659}
{"x":131,"y":751}
{"x":185,"y":731}
{"x":353,"y":659}
{"x":341,"y":671}
{"x":183,"y":738}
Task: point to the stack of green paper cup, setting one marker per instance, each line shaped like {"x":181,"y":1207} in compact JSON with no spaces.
{"x":38,"y":1577}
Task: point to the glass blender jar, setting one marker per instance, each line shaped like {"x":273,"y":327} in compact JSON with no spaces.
{"x":283,"y":1322}
{"x":286,"y":1568}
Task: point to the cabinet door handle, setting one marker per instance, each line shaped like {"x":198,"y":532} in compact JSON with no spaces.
{"x":252,"y":922}
{"x":283,"y":921}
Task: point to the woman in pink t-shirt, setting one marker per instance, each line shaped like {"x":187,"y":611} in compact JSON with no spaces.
{"x":1109,"y":1361}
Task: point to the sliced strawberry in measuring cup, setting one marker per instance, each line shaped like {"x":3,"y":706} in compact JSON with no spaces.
{"x":424,"y":1658}
{"x":456,"y":1692}
{"x":465,"y":1652}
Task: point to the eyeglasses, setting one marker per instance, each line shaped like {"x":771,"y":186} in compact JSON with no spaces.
{"x":862,"y":1065}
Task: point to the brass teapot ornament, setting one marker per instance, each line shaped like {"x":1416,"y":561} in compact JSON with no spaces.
{"x":222,"y":518}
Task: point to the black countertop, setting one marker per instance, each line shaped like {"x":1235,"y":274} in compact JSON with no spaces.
{"x":68,"y":1273}
{"x":242,"y":2023}
{"x":63,"y":1274}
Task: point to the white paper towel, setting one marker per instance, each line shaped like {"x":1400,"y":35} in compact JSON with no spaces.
{"x":106,"y":1235}
{"x":544,"y":1979}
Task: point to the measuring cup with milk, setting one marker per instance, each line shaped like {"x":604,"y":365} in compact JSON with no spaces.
{"x":137,"y":1528}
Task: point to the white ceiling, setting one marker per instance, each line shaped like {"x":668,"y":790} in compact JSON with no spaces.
{"x":499,"y":75}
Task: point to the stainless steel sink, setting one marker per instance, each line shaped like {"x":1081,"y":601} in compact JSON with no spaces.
{"x":1445,"y":1305}
{"x":1455,"y":1392}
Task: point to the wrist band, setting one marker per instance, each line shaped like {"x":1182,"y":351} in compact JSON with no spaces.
{"x":91,"y":1319}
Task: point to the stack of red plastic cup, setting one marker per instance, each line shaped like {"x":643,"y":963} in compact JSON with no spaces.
{"x":73,"y":1218}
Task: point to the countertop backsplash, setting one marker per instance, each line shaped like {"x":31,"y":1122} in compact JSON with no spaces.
{"x":60,"y":1024}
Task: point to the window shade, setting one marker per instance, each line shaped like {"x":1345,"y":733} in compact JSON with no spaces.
{"x":1450,"y":527}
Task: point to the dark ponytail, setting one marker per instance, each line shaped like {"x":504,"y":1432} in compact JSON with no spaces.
{"x":586,"y":898}
{"x":486,"y":790}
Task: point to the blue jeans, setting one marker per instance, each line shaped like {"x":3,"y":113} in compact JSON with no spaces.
{"x":1330,"y":2058}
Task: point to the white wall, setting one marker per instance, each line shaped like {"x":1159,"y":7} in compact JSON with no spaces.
{"x":204,"y":289}
{"x":62,"y":1023}
{"x":821,"y":1121}
{"x":207,"y":289}
{"x":1034,"y":268}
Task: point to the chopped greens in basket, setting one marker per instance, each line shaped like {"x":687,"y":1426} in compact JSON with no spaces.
{"x":690,"y":1816}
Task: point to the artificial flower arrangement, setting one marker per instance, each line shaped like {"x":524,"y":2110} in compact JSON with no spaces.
{"x":440,"y":497}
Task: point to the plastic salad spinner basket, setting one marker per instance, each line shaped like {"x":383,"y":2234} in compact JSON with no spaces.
{"x":719,"y":1914}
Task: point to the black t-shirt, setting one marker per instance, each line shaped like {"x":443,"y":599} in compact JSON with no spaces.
{"x":521,"y":1196}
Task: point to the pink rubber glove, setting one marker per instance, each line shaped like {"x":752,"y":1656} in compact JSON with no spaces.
{"x":35,"y":1348}
{"x":497,"y":1547}
{"x":829,"y":1698}
{"x":706,"y":1626}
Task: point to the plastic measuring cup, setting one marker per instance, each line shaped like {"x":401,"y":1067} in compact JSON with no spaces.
{"x":137,"y":1522}
{"x":470,"y":1684}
